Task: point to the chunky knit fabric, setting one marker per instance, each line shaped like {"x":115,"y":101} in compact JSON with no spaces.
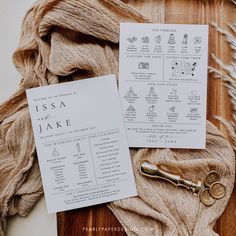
{"x":75,"y":39}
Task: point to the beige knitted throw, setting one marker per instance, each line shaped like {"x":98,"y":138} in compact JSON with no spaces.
{"x":73,"y":39}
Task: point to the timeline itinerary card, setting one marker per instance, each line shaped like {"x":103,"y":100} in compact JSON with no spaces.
{"x":81,"y":143}
{"x":163,"y":84}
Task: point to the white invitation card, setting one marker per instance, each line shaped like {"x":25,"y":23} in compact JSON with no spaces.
{"x":81,"y":143}
{"x":163,"y":84}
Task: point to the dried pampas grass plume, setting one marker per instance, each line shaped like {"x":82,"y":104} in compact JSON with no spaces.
{"x":228,"y":75}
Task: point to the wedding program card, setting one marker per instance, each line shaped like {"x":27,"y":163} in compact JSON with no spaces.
{"x":81,"y":143}
{"x":163,"y":84}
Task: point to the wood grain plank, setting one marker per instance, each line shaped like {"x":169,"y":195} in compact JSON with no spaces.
{"x":221,"y":12}
{"x":89,"y":221}
{"x":79,"y":222}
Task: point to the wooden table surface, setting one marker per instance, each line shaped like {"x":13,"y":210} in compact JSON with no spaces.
{"x":74,"y":223}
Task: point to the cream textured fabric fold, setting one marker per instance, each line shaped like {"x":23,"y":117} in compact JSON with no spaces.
{"x":73,"y":39}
